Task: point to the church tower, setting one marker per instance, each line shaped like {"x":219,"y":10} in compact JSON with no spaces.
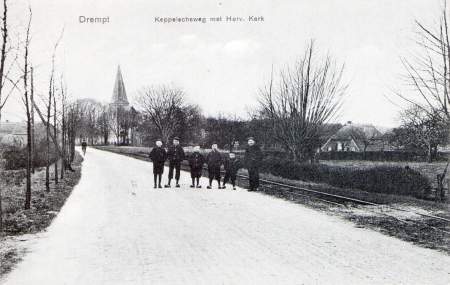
{"x":119,"y":97}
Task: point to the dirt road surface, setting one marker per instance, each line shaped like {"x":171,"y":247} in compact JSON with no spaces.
{"x":116,"y":229}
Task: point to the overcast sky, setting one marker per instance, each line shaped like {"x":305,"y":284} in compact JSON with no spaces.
{"x":222,"y":65}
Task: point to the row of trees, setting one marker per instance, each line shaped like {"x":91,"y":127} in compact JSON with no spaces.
{"x":300,"y":102}
{"x":56,"y":113}
{"x":98,"y":122}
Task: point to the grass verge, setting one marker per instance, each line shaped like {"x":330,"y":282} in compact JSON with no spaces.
{"x":21,"y":226}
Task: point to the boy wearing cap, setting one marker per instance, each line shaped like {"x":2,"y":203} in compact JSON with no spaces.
{"x":231,"y":165}
{"x":214,"y":161}
{"x":196,"y":161}
{"x":175,"y":155}
{"x":158,"y":156}
{"x":253,"y":158}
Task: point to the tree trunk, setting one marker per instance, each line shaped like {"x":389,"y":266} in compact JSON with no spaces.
{"x":1,"y":210}
{"x":55,"y":134}
{"x":63,"y":141}
{"x":33,"y":148}
{"x":47,"y":140}
{"x":429,"y":154}
{"x":29,"y":163}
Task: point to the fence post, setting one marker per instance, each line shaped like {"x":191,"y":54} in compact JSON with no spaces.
{"x":439,"y":187}
{"x":443,"y":194}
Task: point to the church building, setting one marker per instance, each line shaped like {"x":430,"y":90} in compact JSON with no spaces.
{"x":123,"y":115}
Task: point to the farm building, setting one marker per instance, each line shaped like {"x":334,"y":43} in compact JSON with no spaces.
{"x":355,"y":138}
{"x":13,"y":133}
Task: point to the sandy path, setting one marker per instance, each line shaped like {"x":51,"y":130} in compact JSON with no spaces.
{"x":116,"y":229}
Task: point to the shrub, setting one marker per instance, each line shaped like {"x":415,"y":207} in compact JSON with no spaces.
{"x":379,"y":156}
{"x":382,"y":179}
{"x":16,"y":157}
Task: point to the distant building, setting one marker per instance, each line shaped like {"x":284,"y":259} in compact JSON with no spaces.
{"x":13,"y":133}
{"x":119,"y":102}
{"x":119,"y":96}
{"x":355,"y":138}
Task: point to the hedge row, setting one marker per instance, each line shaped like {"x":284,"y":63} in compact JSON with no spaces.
{"x":382,"y":179}
{"x":16,"y":157}
{"x":379,"y":156}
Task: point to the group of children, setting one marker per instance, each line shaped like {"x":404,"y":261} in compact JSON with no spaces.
{"x":214,"y":161}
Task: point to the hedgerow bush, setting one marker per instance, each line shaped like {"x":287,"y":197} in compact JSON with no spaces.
{"x":15,"y":157}
{"x":381,"y":179}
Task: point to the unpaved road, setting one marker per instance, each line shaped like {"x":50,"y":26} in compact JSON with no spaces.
{"x":116,"y":229}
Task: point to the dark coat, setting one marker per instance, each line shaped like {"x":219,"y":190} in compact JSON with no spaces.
{"x":214,"y":159}
{"x":158,"y":155}
{"x":232,"y":166}
{"x":175,"y":153}
{"x":196,"y":161}
{"x":253,"y":157}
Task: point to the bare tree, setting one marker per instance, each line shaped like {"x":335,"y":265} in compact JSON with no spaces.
{"x":428,"y":70}
{"x":73,"y":121}
{"x":27,"y":102}
{"x":103,"y":124}
{"x":63,"y":127}
{"x":5,"y":50}
{"x":33,"y":141}
{"x":51,"y":94}
{"x":47,"y":132}
{"x":225,"y":130}
{"x":55,"y":134}
{"x":116,"y":115}
{"x":161,"y":105}
{"x":424,"y":130}
{"x":301,"y":101}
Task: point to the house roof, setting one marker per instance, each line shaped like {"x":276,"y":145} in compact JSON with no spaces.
{"x":357,"y":132}
{"x":13,"y":128}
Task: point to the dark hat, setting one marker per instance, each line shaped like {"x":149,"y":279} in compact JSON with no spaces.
{"x":176,"y":138}
{"x":250,"y":138}
{"x":158,"y":139}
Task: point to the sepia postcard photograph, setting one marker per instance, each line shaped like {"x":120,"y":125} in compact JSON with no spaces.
{"x":224,"y":142}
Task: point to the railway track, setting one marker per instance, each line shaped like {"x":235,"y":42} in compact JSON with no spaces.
{"x":290,"y":191}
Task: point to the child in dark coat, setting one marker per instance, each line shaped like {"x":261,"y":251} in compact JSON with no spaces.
{"x":231,"y":165}
{"x":158,"y":156}
{"x":196,"y":161}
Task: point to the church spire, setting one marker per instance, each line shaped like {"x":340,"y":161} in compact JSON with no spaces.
{"x":119,"y":96}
